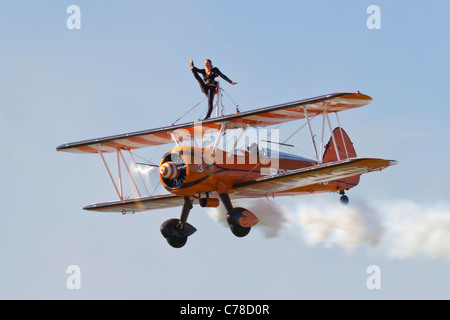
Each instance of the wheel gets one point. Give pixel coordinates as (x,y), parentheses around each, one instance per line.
(176,242)
(239,231)
(344,200)
(176,236)
(240,221)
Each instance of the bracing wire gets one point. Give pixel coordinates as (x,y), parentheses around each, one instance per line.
(189,111)
(230,98)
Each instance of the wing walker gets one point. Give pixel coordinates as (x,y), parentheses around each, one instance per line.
(213,172)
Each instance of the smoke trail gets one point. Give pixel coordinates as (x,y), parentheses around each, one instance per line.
(413,229)
(270,215)
(333,223)
(400,229)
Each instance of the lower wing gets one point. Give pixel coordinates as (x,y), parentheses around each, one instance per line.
(259,187)
(138,204)
(312,175)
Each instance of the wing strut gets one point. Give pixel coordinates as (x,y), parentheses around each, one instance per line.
(325,114)
(110,175)
(222,130)
(311,133)
(129,173)
(120,156)
(237,141)
(342,136)
(140,174)
(325,118)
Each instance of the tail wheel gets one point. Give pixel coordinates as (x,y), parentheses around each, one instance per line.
(344,200)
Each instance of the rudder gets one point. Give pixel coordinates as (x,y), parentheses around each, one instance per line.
(344,147)
(345,150)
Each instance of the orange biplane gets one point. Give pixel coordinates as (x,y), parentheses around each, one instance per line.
(210,175)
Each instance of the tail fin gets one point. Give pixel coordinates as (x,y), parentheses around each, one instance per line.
(345,150)
(344,146)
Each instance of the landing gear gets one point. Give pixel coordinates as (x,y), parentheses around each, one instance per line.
(176,231)
(239,219)
(344,199)
(233,217)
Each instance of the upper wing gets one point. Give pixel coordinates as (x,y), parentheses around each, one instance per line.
(307,176)
(260,117)
(138,204)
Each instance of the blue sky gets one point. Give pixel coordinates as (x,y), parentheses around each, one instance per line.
(127,69)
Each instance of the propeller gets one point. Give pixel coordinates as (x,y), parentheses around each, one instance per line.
(173,170)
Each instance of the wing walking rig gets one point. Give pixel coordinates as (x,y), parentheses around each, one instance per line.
(209,176)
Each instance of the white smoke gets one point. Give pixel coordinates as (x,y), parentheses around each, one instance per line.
(399,229)
(413,229)
(270,214)
(335,224)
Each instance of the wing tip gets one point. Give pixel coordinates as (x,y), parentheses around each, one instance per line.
(61,147)
(358,95)
(393,162)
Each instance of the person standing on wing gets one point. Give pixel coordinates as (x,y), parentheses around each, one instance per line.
(208,85)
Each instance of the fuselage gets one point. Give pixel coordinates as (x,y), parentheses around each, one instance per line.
(203,170)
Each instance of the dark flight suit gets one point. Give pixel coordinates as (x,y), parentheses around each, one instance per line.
(209,85)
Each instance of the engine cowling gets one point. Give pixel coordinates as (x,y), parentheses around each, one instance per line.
(182,171)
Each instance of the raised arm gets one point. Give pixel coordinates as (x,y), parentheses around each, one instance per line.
(224,76)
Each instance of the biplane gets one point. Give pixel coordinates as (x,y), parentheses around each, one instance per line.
(195,173)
